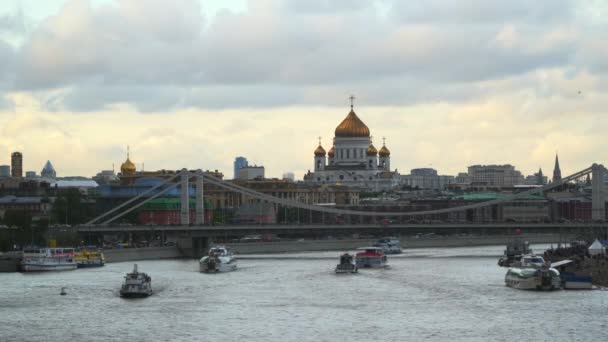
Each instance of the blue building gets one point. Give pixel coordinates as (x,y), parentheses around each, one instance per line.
(239,163)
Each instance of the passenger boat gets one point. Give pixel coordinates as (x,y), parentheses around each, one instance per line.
(346,265)
(136,285)
(89,258)
(543,279)
(219,259)
(530,261)
(371,257)
(389,245)
(48,259)
(515,250)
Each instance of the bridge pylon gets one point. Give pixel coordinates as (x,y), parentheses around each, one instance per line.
(184,199)
(598,206)
(200,202)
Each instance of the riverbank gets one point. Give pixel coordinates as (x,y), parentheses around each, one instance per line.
(406,243)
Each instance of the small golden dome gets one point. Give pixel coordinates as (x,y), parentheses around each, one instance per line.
(128,168)
(384,152)
(332,152)
(352,127)
(371,150)
(320,151)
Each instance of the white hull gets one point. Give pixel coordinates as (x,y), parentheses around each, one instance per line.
(535,282)
(44,267)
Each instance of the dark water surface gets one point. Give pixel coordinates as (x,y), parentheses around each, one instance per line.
(454,294)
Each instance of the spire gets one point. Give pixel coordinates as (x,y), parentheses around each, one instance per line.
(540,178)
(352,101)
(557,173)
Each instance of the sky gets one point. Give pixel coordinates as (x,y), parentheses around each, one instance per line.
(195,83)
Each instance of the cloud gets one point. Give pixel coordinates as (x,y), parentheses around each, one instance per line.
(157,57)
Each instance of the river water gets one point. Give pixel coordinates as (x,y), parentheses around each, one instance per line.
(454,294)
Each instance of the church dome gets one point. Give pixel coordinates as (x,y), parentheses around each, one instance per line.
(371,150)
(352,127)
(384,152)
(320,151)
(128,168)
(332,152)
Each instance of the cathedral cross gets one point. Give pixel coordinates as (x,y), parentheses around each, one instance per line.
(352,101)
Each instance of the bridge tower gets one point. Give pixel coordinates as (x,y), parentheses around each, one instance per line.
(184,199)
(200,202)
(598,206)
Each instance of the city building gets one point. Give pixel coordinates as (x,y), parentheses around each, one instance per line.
(5,171)
(239,163)
(289,176)
(426,178)
(17,165)
(30,175)
(37,207)
(251,172)
(557,172)
(353,160)
(105,177)
(490,176)
(48,171)
(166,211)
(536,179)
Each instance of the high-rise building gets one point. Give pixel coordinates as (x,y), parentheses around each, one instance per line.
(48,171)
(239,163)
(17,164)
(251,172)
(557,173)
(5,170)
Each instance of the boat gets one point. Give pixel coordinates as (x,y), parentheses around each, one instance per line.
(219,259)
(530,261)
(389,245)
(48,259)
(542,279)
(371,257)
(346,265)
(89,257)
(515,250)
(63,293)
(136,285)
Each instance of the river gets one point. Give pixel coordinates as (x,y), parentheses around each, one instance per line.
(454,294)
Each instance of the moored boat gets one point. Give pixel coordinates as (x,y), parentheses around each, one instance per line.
(48,259)
(371,257)
(219,259)
(346,265)
(136,285)
(514,251)
(572,281)
(89,258)
(543,279)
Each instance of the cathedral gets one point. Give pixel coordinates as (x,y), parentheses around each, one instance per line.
(353,160)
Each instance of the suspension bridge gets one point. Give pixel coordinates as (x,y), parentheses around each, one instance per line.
(395,222)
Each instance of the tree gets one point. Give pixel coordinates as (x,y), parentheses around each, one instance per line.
(70,207)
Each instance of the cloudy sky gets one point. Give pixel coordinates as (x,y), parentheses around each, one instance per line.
(190,83)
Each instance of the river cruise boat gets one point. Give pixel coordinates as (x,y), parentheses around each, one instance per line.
(515,250)
(572,281)
(371,257)
(389,245)
(219,259)
(136,285)
(48,259)
(89,257)
(347,264)
(542,279)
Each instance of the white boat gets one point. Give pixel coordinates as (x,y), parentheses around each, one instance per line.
(136,285)
(219,259)
(48,259)
(346,265)
(515,250)
(544,278)
(389,245)
(530,261)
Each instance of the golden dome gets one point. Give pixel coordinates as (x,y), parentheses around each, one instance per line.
(320,151)
(384,152)
(332,152)
(352,127)
(371,150)
(128,168)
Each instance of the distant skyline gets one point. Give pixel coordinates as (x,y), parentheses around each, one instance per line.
(194,84)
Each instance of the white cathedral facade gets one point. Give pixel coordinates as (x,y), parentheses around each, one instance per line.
(353,160)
